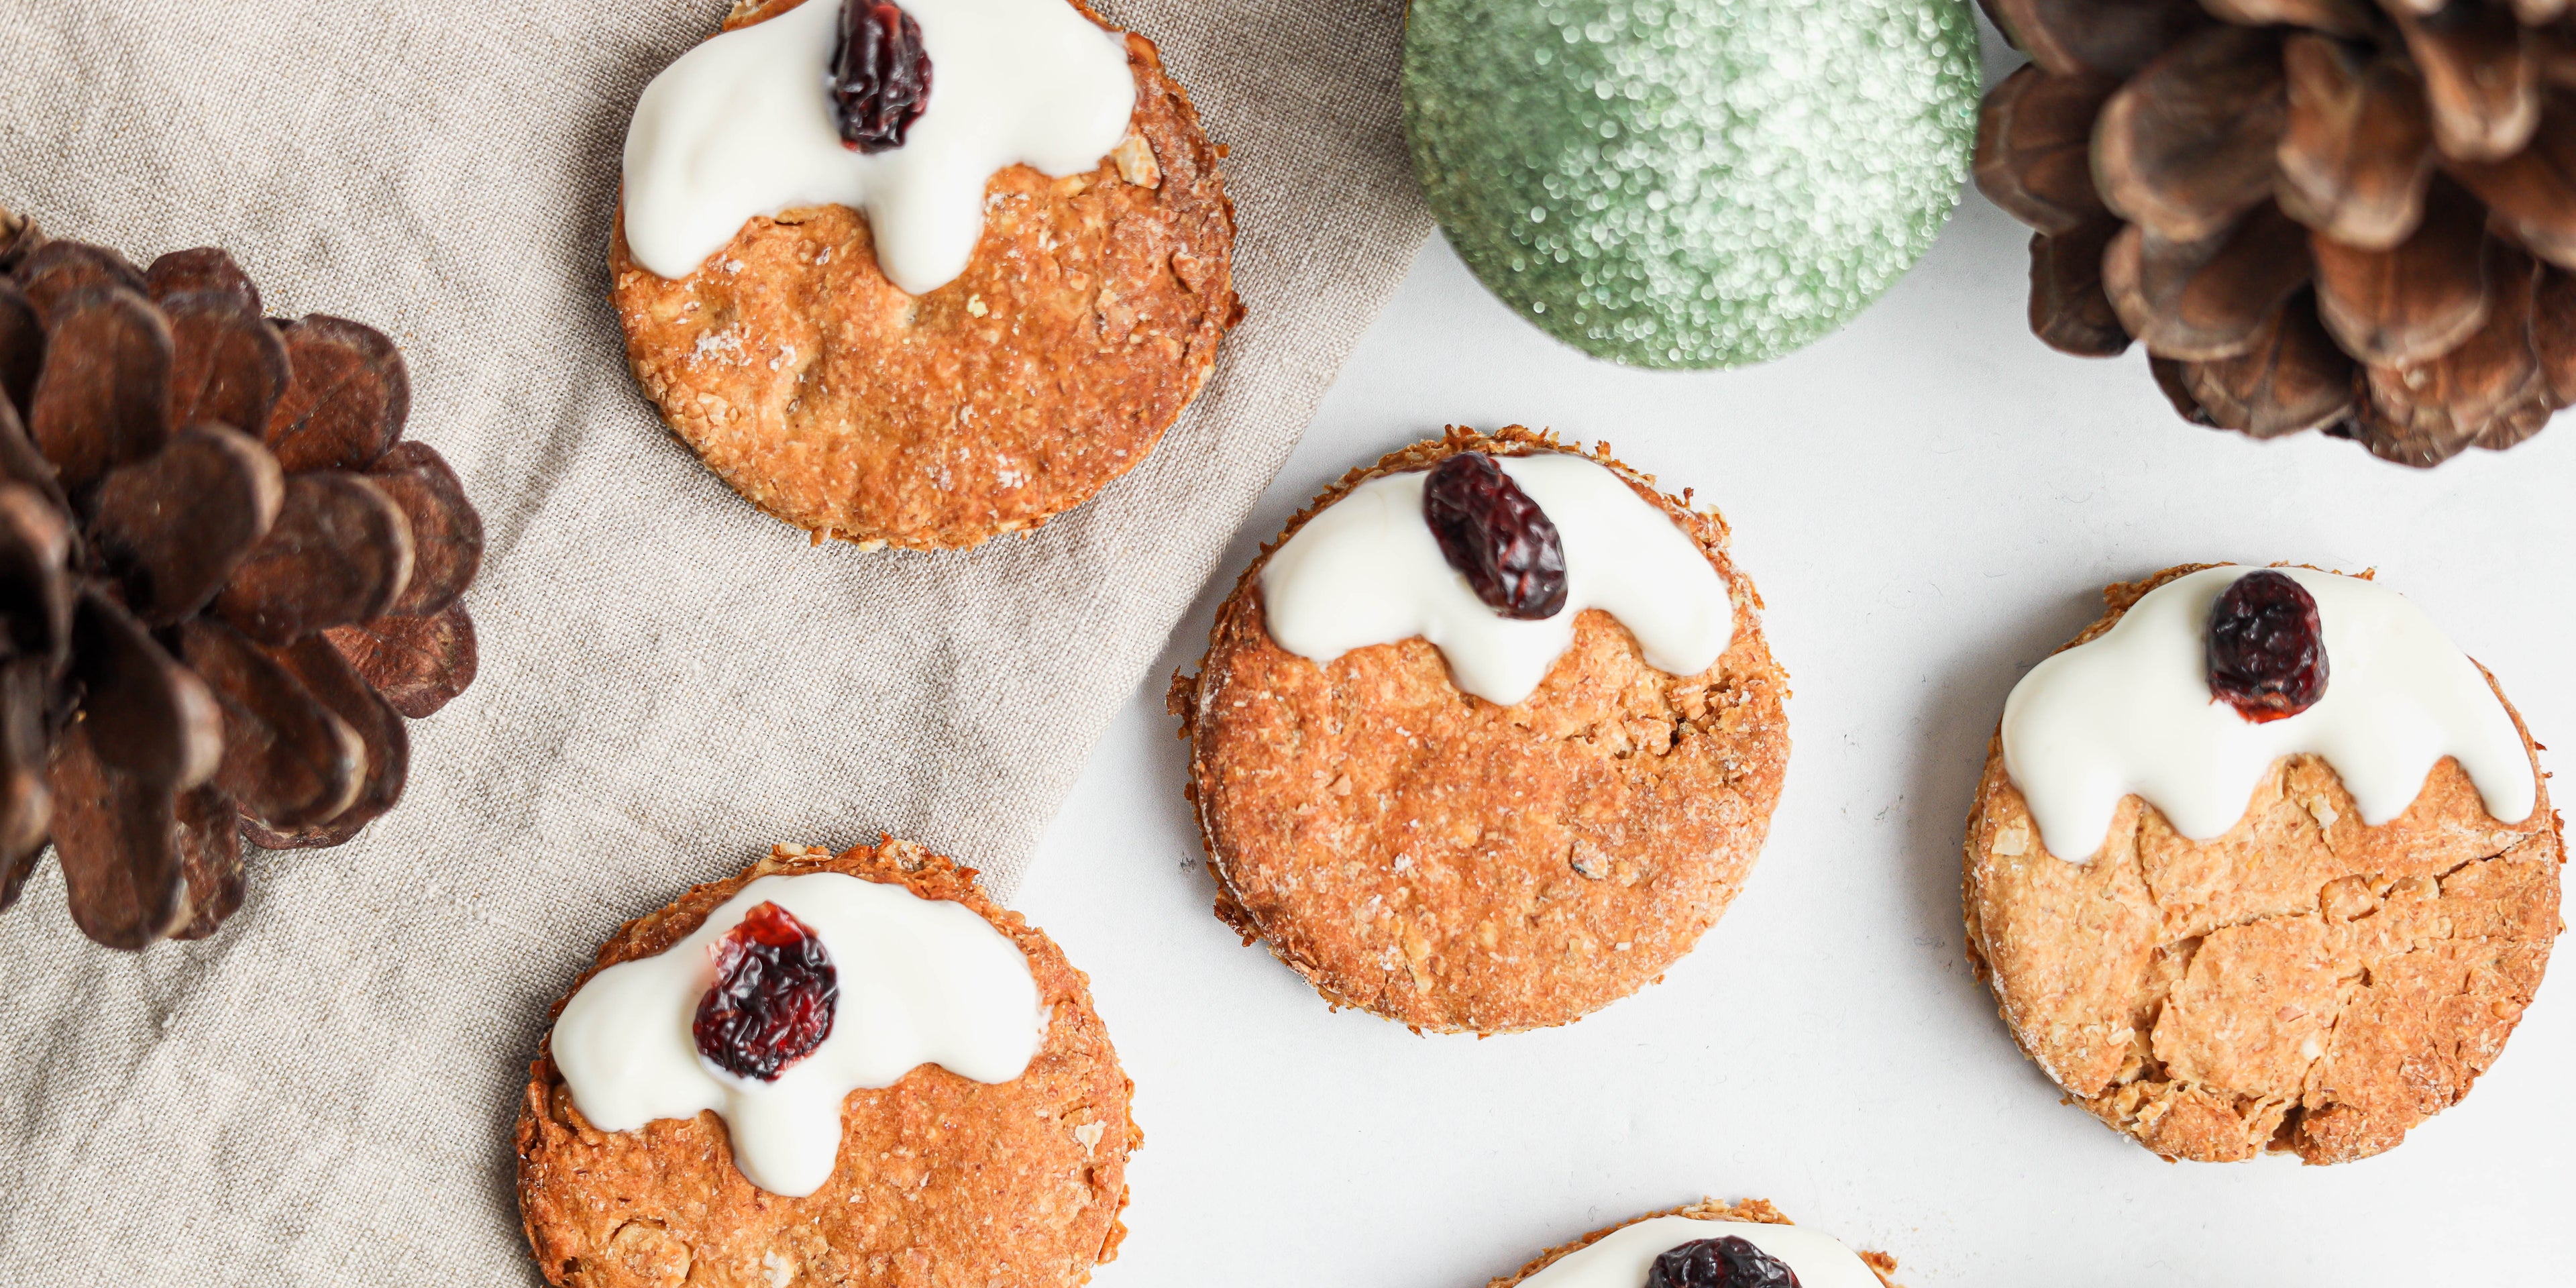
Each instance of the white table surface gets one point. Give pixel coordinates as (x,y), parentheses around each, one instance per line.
(1930,501)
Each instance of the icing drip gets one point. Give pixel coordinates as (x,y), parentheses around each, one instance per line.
(922,982)
(1621,1258)
(1368,571)
(742,126)
(2131,713)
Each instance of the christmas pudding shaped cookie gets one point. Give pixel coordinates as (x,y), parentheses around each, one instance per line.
(1035,291)
(1535,815)
(2261,862)
(1705,1245)
(679,1121)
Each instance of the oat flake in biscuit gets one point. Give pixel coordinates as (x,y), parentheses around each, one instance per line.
(1086,318)
(2304,981)
(1608,1258)
(939,1178)
(1469,864)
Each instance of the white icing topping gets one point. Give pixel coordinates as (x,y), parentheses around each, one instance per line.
(1368,571)
(2131,713)
(1621,1258)
(742,126)
(922,982)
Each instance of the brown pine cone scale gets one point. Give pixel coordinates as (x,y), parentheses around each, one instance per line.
(2314,214)
(225,581)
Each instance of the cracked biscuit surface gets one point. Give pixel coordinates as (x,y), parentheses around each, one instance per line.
(1088,319)
(2304,983)
(1424,854)
(942,1182)
(1754,1211)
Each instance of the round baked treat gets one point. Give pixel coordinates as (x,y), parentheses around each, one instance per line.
(987,393)
(2261,862)
(1656,1251)
(1526,821)
(940,1177)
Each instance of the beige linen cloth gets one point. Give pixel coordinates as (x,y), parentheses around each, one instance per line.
(323,1093)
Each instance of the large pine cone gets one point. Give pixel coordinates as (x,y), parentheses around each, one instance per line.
(206,637)
(2316,214)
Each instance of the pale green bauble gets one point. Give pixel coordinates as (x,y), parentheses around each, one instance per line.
(1690,183)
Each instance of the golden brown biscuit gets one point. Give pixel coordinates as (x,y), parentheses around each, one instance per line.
(826,396)
(1758,1211)
(2303,984)
(1421,853)
(942,1180)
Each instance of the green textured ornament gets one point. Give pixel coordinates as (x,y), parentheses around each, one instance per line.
(1690,183)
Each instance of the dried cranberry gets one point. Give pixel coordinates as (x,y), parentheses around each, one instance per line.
(1496,537)
(1729,1262)
(773,998)
(880,75)
(2267,647)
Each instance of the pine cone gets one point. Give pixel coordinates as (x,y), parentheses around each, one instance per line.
(2315,214)
(206,637)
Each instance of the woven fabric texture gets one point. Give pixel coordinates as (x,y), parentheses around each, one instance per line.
(322,1093)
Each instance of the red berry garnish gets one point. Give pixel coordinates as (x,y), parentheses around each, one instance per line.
(880,75)
(1729,1262)
(773,998)
(1496,537)
(2267,647)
